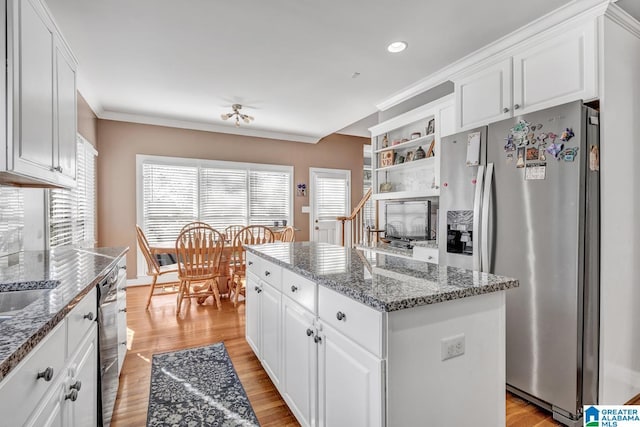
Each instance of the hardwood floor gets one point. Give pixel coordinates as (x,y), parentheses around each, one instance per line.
(158,330)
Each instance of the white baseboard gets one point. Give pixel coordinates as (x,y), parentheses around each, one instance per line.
(140,281)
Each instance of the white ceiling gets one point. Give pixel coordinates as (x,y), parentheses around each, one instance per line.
(289,62)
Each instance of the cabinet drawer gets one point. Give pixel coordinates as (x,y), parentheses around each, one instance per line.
(357,321)
(253,263)
(270,273)
(21,391)
(425,254)
(299,289)
(80,319)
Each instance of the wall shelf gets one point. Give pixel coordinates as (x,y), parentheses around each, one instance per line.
(412,164)
(408,144)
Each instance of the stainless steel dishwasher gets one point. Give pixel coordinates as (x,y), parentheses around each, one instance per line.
(108,346)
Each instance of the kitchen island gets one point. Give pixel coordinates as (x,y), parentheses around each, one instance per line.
(359,338)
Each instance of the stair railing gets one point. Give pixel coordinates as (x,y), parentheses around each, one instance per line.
(356,221)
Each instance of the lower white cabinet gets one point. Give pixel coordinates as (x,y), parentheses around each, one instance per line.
(252,312)
(299,361)
(349,382)
(270,331)
(425,254)
(59,378)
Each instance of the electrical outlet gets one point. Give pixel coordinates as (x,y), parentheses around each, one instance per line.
(452,346)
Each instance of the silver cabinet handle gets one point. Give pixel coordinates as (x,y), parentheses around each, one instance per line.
(309,332)
(515,107)
(267,272)
(430,257)
(294,288)
(76,386)
(250,263)
(58,169)
(505,110)
(123,310)
(123,343)
(317,339)
(72,396)
(47,374)
(123,267)
(257,289)
(88,316)
(341,316)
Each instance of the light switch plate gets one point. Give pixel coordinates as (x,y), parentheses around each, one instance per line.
(306,209)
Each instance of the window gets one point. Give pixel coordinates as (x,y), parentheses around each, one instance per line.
(174,192)
(11,219)
(72,212)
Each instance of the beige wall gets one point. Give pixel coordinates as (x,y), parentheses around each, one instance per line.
(87,121)
(119,142)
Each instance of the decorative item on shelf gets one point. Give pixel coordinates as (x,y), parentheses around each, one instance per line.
(415,135)
(237,114)
(409,157)
(431,127)
(301,189)
(386,187)
(386,158)
(399,160)
(420,154)
(431,152)
(385,141)
(396,142)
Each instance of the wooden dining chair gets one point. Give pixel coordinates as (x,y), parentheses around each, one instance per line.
(251,235)
(288,234)
(231,231)
(199,250)
(194,224)
(157,271)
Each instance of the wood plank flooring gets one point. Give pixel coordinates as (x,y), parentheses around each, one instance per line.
(158,330)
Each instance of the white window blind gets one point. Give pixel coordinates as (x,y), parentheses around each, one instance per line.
(178,191)
(170,200)
(11,219)
(72,211)
(331,196)
(270,197)
(223,197)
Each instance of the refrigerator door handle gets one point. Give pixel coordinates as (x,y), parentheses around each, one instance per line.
(477,204)
(484,234)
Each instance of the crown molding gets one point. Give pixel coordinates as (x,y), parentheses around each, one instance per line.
(577,10)
(207,127)
(622,18)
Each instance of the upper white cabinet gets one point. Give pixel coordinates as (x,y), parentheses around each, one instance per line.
(41,100)
(558,70)
(484,96)
(548,70)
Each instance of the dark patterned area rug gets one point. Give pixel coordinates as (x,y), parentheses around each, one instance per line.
(197,387)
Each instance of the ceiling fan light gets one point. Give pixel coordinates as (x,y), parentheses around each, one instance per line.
(246,119)
(224,116)
(237,114)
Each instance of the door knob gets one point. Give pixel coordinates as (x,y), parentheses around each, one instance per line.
(317,228)
(88,316)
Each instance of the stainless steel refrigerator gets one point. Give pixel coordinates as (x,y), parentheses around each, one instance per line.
(521,198)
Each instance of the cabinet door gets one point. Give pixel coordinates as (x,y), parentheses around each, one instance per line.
(84,410)
(270,333)
(484,96)
(51,412)
(33,121)
(300,360)
(252,312)
(122,313)
(66,115)
(350,383)
(559,70)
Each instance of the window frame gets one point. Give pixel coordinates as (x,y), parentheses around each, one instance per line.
(141,159)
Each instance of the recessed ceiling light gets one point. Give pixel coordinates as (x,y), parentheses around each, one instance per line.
(396,47)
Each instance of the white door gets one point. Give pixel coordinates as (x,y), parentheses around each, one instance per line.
(350,383)
(330,197)
(84,410)
(270,342)
(300,359)
(252,312)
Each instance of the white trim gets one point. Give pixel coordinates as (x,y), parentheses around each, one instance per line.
(411,116)
(623,19)
(573,11)
(140,281)
(209,127)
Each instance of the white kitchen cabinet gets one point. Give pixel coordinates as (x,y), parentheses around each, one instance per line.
(558,70)
(59,377)
(252,312)
(349,383)
(426,254)
(41,100)
(299,361)
(484,96)
(270,312)
(548,70)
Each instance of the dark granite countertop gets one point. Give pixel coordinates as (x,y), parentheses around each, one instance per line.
(383,282)
(77,270)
